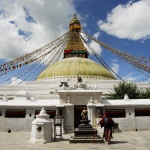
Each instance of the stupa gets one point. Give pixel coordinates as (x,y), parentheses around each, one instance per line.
(57,90)
(75,62)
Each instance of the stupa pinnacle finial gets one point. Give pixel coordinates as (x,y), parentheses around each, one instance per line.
(75,24)
(74,16)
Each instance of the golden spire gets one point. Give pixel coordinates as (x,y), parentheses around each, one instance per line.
(75,24)
(75,46)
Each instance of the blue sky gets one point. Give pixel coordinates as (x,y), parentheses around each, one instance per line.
(27,25)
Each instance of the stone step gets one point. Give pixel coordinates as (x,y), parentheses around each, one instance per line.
(86,137)
(86,140)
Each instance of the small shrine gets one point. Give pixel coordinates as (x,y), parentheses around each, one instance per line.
(85,132)
(41,128)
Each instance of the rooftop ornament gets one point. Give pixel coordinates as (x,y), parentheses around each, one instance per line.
(126,98)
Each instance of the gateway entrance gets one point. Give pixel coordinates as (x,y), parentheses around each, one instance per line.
(77,114)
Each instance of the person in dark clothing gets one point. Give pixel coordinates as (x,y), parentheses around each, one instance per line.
(79,79)
(108,124)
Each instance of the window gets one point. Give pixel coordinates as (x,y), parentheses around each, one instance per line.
(142,112)
(15,113)
(116,113)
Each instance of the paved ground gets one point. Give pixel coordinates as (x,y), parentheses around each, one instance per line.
(121,141)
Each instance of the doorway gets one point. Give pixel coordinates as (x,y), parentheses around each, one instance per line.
(77,114)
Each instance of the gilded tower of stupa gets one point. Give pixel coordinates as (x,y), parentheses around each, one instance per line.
(75,45)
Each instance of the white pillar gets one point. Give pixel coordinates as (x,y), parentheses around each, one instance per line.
(69,118)
(91,112)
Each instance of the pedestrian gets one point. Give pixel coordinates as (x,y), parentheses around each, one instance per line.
(108,124)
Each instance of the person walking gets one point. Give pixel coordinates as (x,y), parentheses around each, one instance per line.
(108,123)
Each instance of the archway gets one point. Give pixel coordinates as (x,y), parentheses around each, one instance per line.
(77,114)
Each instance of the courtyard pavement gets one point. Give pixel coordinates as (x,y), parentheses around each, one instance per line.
(139,140)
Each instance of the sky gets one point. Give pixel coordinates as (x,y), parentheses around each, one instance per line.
(26,25)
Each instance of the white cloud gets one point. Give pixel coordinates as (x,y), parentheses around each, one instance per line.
(40,20)
(96,46)
(132,77)
(84,36)
(16,81)
(41,2)
(114,66)
(96,35)
(129,21)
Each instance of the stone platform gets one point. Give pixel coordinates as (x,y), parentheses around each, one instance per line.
(89,139)
(85,133)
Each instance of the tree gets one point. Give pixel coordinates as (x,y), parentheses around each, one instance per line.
(145,94)
(123,88)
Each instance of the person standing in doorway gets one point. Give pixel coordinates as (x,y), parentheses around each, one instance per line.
(108,124)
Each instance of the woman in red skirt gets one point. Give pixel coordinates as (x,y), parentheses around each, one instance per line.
(108,124)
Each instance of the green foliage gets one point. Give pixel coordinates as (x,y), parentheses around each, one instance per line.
(123,88)
(145,94)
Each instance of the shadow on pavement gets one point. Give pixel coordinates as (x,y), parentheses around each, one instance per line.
(118,142)
(60,140)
